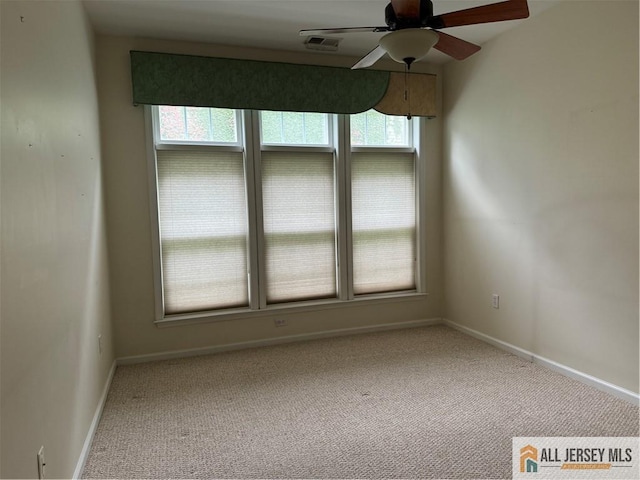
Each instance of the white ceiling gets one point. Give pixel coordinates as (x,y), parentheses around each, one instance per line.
(273,24)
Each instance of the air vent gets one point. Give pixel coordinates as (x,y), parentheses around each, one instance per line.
(322,43)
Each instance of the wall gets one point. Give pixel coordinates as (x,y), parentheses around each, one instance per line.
(129,222)
(540,183)
(55,296)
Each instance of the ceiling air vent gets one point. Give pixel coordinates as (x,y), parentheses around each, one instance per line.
(322,43)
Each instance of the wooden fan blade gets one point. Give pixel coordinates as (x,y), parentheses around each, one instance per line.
(455,47)
(330,31)
(496,12)
(370,58)
(406,9)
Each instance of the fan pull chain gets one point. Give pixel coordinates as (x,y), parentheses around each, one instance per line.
(407,89)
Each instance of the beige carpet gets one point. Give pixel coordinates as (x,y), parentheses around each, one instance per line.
(419,403)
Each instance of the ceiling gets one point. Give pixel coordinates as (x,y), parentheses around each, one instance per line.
(274,24)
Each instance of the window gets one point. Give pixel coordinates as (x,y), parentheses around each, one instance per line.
(278,209)
(294,128)
(298,207)
(193,124)
(375,129)
(383,198)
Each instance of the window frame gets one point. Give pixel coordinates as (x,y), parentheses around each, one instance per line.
(250,143)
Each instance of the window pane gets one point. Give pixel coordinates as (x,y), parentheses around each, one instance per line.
(173,124)
(271,123)
(299,225)
(383,219)
(203,230)
(198,124)
(396,130)
(316,129)
(294,128)
(376,129)
(223,124)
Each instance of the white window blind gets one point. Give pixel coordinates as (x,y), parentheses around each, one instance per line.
(203,230)
(299,225)
(383,222)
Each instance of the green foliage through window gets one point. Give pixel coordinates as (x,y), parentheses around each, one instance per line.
(375,129)
(216,125)
(294,128)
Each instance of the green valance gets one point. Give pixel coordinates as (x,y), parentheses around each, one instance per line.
(170,79)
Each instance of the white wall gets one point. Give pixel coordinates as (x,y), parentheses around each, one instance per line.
(54,277)
(126,176)
(541,188)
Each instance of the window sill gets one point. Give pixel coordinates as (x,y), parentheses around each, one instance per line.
(289,308)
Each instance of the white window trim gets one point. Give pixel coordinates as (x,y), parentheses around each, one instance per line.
(288,308)
(199,146)
(419,137)
(254,214)
(340,132)
(383,149)
(271,147)
(154,208)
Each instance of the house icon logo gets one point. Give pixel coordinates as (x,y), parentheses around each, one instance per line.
(529,459)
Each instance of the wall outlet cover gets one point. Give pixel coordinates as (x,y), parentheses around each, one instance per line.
(495,301)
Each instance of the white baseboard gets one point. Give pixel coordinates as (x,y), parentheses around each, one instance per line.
(94,424)
(275,341)
(585,378)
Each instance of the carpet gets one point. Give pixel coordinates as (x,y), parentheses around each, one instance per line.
(427,402)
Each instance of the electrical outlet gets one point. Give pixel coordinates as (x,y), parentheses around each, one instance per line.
(41,463)
(495,301)
(280,322)
(100,344)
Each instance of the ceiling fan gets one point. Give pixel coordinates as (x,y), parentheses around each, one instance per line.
(414,29)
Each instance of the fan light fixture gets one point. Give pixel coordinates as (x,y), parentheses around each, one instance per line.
(409,45)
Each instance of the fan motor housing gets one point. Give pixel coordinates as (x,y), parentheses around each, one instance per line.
(395,23)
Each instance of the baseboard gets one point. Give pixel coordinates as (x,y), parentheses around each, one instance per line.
(94,424)
(275,341)
(585,378)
